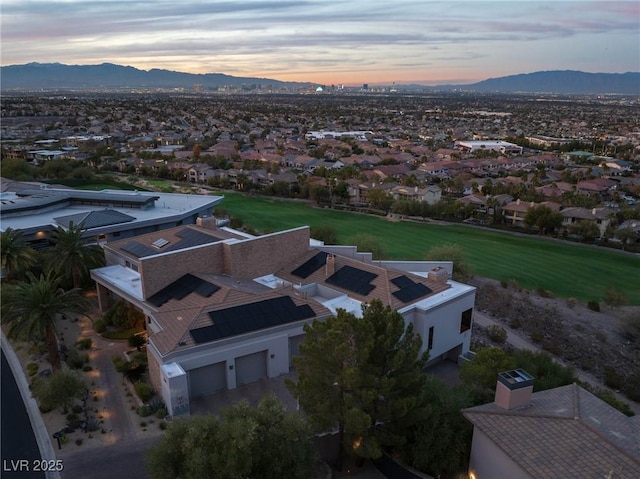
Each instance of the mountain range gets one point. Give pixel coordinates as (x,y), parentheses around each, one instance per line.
(107,76)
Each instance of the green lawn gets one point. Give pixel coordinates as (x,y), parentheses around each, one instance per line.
(566,269)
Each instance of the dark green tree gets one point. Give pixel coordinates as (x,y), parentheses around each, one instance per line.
(16,254)
(32,308)
(58,390)
(362,376)
(543,218)
(71,257)
(440,441)
(370,244)
(265,442)
(481,374)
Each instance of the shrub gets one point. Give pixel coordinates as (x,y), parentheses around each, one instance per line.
(543,293)
(612,378)
(87,368)
(92,425)
(162,425)
(32,369)
(84,343)
(137,341)
(118,363)
(614,297)
(143,390)
(75,360)
(612,400)
(76,409)
(160,413)
(572,302)
(144,411)
(79,442)
(594,306)
(100,326)
(157,403)
(515,323)
(504,283)
(497,333)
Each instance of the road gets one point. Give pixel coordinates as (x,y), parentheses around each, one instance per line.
(18,440)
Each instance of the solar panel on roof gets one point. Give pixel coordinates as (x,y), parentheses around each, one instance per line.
(402,281)
(409,290)
(182,287)
(310,266)
(353,279)
(251,317)
(137,249)
(191,237)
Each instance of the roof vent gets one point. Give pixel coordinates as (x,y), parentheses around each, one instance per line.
(160,242)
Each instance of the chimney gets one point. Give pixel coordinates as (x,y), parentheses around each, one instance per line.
(330,267)
(438,274)
(593,211)
(514,389)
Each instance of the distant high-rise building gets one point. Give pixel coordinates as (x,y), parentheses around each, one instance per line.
(365,86)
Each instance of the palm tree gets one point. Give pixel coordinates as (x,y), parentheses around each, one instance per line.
(31,310)
(16,254)
(71,257)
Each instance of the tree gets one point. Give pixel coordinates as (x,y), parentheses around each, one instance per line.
(326,234)
(481,374)
(265,442)
(370,244)
(588,230)
(361,375)
(33,307)
(439,442)
(543,218)
(58,390)
(71,257)
(380,199)
(137,341)
(548,374)
(16,254)
(455,253)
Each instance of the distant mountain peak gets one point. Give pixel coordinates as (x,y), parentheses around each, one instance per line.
(30,76)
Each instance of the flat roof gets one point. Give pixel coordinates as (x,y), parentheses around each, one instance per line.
(47,205)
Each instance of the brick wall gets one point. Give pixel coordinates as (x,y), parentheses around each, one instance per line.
(265,254)
(156,272)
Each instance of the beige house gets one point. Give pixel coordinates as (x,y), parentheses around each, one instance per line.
(565,432)
(600,216)
(224,308)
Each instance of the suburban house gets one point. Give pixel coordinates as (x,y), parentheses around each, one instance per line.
(516,211)
(600,216)
(430,194)
(562,432)
(224,308)
(38,209)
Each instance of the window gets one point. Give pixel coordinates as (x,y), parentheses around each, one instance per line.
(465,321)
(116,234)
(430,343)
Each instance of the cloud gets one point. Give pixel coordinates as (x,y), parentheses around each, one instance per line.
(281,35)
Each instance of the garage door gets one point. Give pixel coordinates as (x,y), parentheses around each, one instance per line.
(207,379)
(294,343)
(251,367)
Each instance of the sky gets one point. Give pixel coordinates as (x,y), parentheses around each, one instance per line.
(327,41)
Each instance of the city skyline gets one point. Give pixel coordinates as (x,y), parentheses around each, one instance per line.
(329,42)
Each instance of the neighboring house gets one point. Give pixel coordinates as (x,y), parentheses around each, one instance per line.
(600,216)
(200,173)
(430,194)
(106,214)
(565,432)
(224,308)
(516,211)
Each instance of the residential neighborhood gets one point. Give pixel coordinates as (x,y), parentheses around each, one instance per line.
(125,275)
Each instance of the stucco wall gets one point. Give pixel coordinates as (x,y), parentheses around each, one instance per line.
(488,461)
(445,319)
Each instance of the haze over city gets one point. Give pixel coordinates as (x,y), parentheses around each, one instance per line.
(348,42)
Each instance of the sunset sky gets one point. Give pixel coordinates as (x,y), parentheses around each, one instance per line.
(328,41)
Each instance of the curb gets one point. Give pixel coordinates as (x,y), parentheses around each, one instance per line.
(37,424)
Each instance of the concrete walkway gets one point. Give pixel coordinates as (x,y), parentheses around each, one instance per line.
(520,342)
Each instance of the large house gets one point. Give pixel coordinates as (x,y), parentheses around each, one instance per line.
(562,432)
(224,308)
(37,209)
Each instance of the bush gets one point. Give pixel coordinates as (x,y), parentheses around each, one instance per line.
(75,360)
(118,363)
(100,326)
(497,333)
(84,343)
(594,306)
(144,411)
(143,390)
(32,369)
(612,378)
(572,302)
(612,400)
(160,413)
(614,297)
